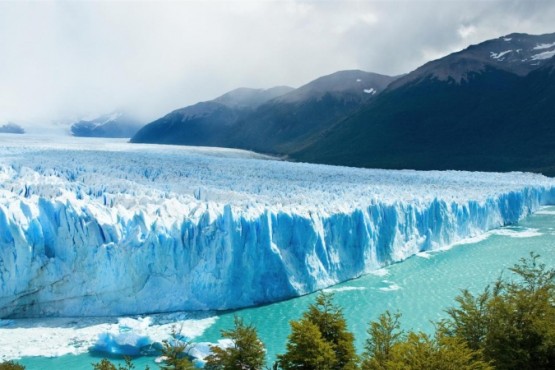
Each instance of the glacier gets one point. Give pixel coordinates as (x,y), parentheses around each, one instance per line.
(96,227)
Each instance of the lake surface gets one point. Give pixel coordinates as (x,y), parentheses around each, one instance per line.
(420,288)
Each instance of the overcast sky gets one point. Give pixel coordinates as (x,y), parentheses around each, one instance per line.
(62,60)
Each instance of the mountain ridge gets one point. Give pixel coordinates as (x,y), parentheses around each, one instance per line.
(494,119)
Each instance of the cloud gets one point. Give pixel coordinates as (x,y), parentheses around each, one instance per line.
(62,60)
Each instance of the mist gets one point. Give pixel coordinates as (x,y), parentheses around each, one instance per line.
(66,61)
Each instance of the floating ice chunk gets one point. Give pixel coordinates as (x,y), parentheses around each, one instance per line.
(379,272)
(57,337)
(391,287)
(370,91)
(124,344)
(517,233)
(343,289)
(425,255)
(202,349)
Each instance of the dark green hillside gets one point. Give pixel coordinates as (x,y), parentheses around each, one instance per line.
(289,122)
(491,121)
(281,127)
(203,124)
(207,123)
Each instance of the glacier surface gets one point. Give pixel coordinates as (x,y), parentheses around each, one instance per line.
(94,227)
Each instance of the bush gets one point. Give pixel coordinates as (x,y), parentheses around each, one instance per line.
(246,353)
(11,365)
(320,340)
(389,348)
(513,323)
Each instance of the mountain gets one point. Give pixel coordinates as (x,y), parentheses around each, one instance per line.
(11,128)
(489,107)
(270,121)
(109,125)
(292,120)
(206,123)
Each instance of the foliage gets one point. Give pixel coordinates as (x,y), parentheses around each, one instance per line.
(420,352)
(389,348)
(328,320)
(11,365)
(513,323)
(246,353)
(383,335)
(105,364)
(175,356)
(307,349)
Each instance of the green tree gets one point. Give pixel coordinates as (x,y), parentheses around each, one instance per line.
(513,323)
(11,365)
(105,364)
(175,356)
(382,336)
(329,318)
(307,349)
(246,353)
(389,348)
(329,321)
(420,352)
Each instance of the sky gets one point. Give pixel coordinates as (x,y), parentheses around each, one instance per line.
(62,61)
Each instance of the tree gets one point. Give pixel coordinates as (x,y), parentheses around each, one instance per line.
(175,356)
(105,364)
(307,349)
(246,353)
(389,348)
(11,365)
(421,352)
(329,319)
(332,327)
(513,323)
(382,336)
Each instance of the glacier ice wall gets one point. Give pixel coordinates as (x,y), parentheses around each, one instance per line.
(109,229)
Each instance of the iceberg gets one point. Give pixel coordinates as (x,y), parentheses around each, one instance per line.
(93,227)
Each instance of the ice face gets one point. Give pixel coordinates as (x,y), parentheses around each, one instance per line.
(101,227)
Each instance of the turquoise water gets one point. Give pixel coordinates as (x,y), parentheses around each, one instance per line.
(420,288)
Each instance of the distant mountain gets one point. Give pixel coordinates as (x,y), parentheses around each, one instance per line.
(489,107)
(291,121)
(109,125)
(11,128)
(516,53)
(270,121)
(206,123)
(245,98)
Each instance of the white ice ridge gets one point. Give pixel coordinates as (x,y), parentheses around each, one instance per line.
(95,228)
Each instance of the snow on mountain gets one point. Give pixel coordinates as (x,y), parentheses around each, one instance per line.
(516,53)
(544,46)
(544,55)
(115,124)
(109,228)
(500,55)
